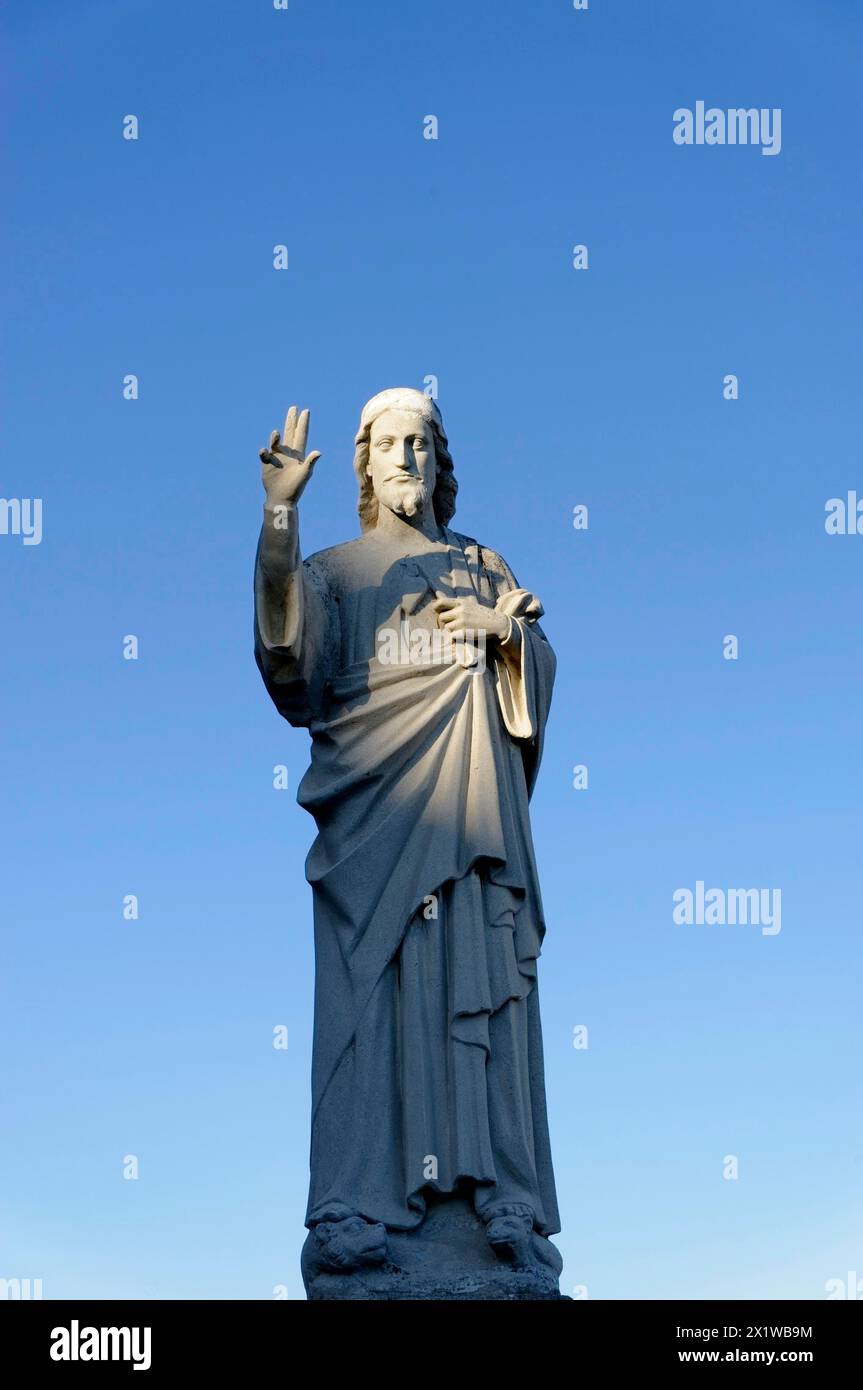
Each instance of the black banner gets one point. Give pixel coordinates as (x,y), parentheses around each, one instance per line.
(158,1338)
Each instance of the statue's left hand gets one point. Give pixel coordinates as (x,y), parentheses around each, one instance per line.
(461,615)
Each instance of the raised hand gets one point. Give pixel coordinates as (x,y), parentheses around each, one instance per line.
(286,468)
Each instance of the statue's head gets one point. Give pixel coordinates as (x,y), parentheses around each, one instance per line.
(401,459)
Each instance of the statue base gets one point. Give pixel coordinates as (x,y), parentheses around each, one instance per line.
(446,1258)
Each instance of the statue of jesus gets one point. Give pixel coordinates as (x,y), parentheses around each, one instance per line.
(427,1074)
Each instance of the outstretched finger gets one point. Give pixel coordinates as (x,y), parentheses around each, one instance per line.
(288,431)
(274,440)
(301,433)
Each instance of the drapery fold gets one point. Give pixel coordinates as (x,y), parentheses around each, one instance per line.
(427,1062)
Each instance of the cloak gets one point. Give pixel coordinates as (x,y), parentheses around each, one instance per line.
(427,1066)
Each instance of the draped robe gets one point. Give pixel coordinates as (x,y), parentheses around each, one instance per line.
(427,1070)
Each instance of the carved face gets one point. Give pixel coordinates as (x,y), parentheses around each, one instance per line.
(402,464)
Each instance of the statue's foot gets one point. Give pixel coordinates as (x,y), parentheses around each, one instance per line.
(350,1243)
(509,1232)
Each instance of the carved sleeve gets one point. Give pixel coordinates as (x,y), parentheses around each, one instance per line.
(296,626)
(525,663)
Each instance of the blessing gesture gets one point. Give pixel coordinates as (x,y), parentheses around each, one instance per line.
(286,468)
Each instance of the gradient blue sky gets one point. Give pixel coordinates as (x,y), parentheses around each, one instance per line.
(410,257)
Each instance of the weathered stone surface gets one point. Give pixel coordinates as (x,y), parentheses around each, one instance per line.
(417,664)
(447,1258)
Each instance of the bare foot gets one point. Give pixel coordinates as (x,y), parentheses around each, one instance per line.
(352,1243)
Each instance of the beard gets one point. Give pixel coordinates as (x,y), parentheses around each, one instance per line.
(406,498)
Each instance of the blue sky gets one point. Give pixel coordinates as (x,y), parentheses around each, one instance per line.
(410,257)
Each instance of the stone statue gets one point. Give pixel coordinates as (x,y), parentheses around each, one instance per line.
(418,666)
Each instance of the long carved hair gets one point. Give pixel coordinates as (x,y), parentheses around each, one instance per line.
(446,485)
